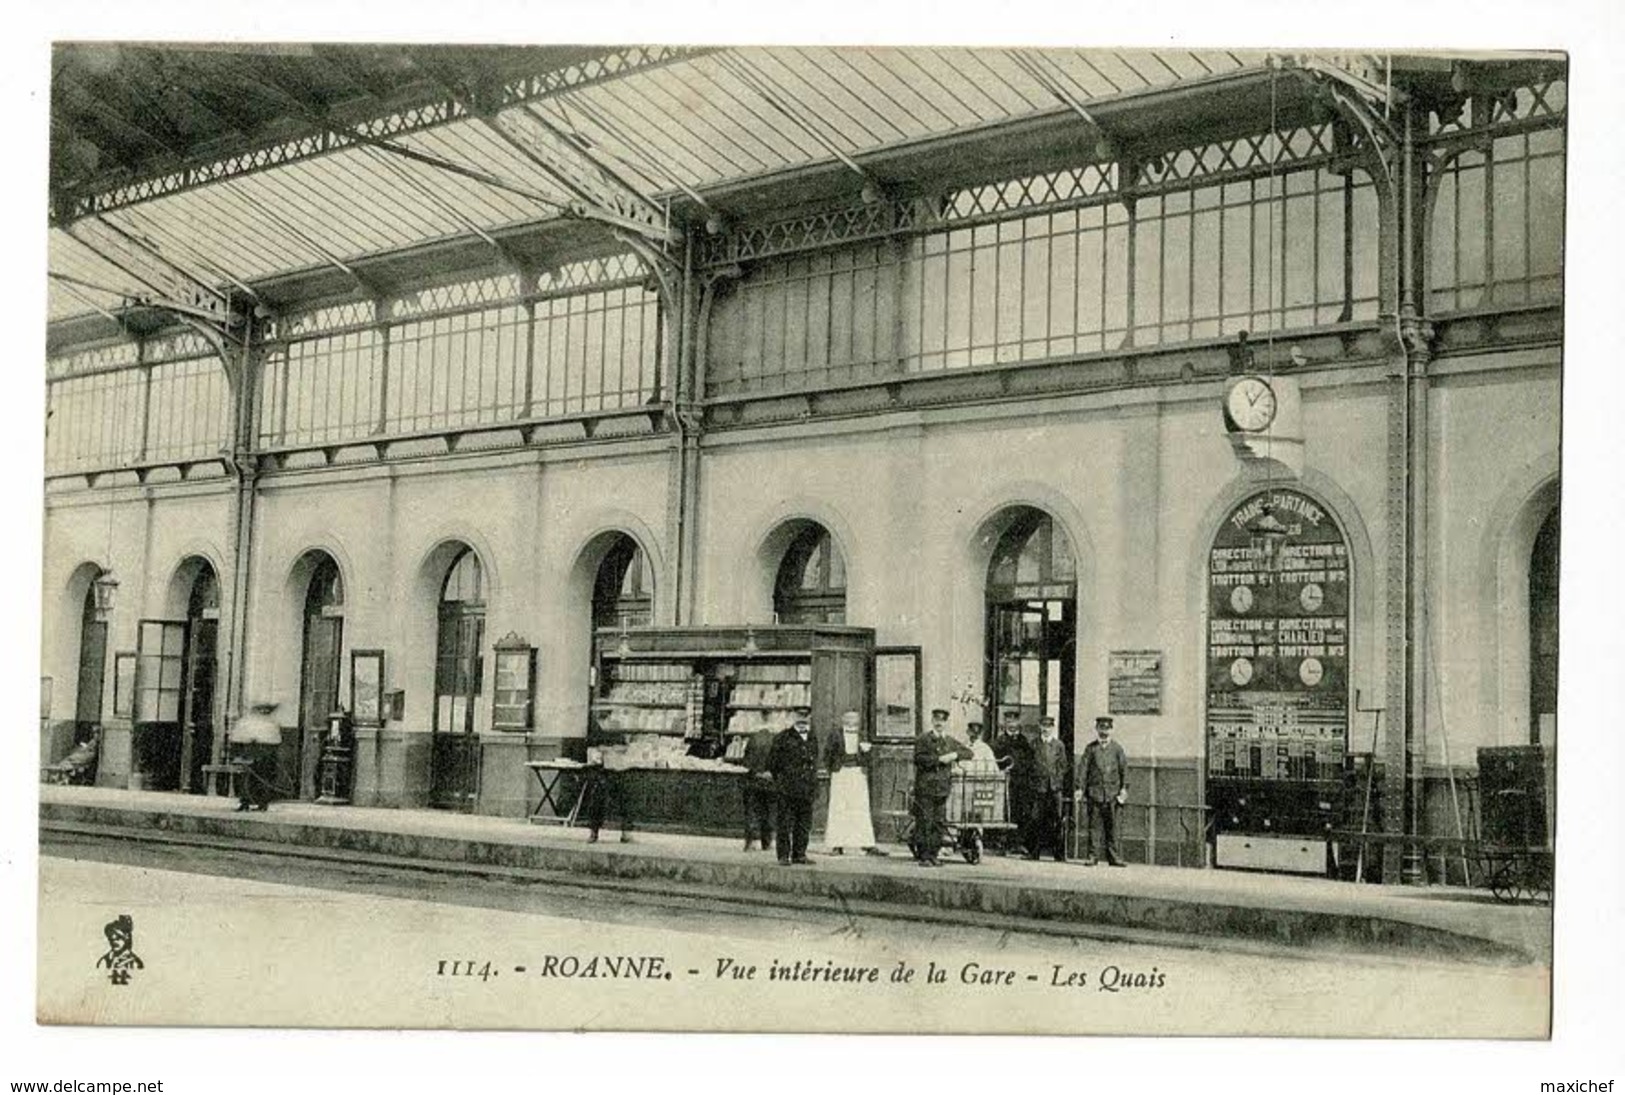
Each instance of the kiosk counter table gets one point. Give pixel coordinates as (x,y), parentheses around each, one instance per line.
(644,783)
(561,799)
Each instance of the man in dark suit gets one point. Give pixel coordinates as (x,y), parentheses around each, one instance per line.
(1105,778)
(934,756)
(793,763)
(758,789)
(1046,788)
(1015,756)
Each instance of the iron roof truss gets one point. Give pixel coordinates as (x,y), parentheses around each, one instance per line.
(391,152)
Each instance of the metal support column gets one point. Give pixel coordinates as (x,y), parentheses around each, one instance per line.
(1393,278)
(677,300)
(1396,567)
(244,466)
(1416,340)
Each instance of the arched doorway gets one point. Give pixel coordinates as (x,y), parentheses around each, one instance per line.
(623,592)
(175,678)
(87,714)
(810,587)
(197,696)
(1543,581)
(1032,612)
(458,674)
(320,664)
(1277,693)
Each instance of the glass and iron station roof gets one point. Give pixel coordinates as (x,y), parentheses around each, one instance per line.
(282,174)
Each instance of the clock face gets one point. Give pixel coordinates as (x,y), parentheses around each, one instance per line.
(1251,404)
(1312,597)
(1241,599)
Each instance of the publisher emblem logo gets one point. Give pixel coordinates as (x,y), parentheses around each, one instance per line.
(120,960)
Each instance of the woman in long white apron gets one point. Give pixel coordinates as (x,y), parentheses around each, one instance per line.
(850,824)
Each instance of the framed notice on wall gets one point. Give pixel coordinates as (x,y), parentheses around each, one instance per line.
(367,687)
(123,685)
(1134,682)
(513,704)
(897,693)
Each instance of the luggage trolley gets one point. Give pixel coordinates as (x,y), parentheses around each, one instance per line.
(1514,849)
(978,803)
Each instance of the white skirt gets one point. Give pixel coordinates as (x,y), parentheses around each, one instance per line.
(849,823)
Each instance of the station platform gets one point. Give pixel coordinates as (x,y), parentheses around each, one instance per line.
(1186,907)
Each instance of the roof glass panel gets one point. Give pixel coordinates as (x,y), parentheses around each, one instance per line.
(684,123)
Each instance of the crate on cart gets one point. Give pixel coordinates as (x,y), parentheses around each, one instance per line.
(976,798)
(978,803)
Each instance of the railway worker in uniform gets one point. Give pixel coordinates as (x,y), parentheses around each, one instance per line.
(793,763)
(1045,789)
(758,789)
(1105,777)
(934,757)
(1014,753)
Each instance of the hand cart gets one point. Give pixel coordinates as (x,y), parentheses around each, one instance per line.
(1514,849)
(978,803)
(1518,866)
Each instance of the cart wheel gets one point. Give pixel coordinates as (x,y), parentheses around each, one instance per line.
(1543,878)
(1531,878)
(971,847)
(907,837)
(1501,883)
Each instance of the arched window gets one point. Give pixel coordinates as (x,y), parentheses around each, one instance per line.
(811,585)
(326,590)
(204,600)
(1033,561)
(464,581)
(623,595)
(1543,575)
(459,675)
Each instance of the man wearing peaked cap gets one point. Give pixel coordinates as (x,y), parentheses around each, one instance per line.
(1105,777)
(793,763)
(1046,788)
(934,756)
(1015,755)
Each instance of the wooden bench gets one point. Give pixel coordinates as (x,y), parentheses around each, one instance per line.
(232,772)
(78,766)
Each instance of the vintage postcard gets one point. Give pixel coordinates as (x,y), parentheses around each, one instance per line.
(887,539)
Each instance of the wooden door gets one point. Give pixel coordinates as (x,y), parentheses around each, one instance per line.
(318,692)
(197,711)
(87,713)
(1032,655)
(160,680)
(459,669)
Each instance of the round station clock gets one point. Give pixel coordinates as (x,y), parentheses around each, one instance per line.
(1250,404)
(1241,599)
